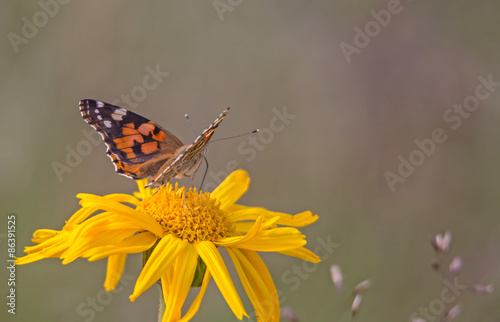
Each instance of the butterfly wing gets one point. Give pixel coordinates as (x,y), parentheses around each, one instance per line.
(137,146)
(187,162)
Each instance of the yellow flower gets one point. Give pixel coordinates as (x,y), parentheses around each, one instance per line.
(177,230)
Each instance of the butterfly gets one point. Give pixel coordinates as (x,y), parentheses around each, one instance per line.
(140,148)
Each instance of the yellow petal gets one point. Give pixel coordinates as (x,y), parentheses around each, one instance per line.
(50,248)
(243,227)
(210,255)
(30,258)
(81,215)
(116,263)
(160,260)
(195,306)
(81,246)
(241,213)
(133,244)
(275,240)
(257,227)
(143,221)
(84,212)
(232,188)
(102,224)
(258,284)
(229,241)
(183,269)
(42,235)
(122,197)
(60,237)
(143,192)
(302,253)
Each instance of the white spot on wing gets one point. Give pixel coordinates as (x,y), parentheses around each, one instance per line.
(99,117)
(121,111)
(107,123)
(96,111)
(100,104)
(117,117)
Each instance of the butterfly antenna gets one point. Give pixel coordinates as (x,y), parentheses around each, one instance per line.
(233,137)
(206,161)
(189,122)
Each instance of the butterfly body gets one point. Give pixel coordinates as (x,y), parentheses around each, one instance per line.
(139,148)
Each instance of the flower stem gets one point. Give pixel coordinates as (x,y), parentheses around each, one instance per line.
(161,304)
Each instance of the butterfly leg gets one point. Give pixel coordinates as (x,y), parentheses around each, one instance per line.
(192,181)
(186,189)
(185,206)
(205,174)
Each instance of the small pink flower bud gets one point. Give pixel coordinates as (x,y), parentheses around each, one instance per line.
(482,289)
(337,277)
(355,304)
(456,265)
(363,286)
(452,313)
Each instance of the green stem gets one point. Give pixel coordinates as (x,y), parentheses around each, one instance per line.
(161,304)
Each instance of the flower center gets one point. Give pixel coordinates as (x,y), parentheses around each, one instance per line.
(198,219)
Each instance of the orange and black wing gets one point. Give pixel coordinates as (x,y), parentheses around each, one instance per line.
(137,146)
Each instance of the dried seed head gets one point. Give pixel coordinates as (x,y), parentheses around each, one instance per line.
(337,277)
(452,313)
(482,289)
(363,286)
(355,304)
(456,265)
(435,264)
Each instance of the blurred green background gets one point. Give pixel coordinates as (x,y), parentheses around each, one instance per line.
(354,115)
